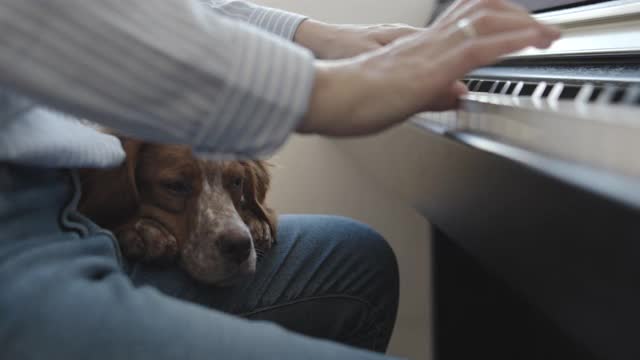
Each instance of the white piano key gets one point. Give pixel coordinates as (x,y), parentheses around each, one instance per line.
(493,87)
(536,97)
(585,93)
(476,88)
(554,95)
(556,92)
(539,91)
(505,89)
(632,96)
(518,89)
(606,97)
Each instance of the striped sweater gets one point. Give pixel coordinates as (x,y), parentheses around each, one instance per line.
(222,76)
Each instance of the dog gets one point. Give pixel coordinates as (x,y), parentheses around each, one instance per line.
(164,205)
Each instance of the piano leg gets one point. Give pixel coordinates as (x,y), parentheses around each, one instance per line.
(478,316)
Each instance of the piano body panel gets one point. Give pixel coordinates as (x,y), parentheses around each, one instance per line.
(553,266)
(533,191)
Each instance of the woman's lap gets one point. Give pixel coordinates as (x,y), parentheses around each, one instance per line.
(63,293)
(326,276)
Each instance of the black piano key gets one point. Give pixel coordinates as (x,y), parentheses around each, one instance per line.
(632,96)
(569,92)
(540,88)
(507,88)
(496,87)
(485,86)
(617,95)
(528,89)
(517,89)
(610,94)
(595,94)
(477,86)
(500,86)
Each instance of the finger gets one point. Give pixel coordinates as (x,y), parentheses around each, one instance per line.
(476,6)
(449,99)
(481,11)
(485,51)
(460,89)
(488,23)
(452,9)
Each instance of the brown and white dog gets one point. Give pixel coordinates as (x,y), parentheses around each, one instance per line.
(164,205)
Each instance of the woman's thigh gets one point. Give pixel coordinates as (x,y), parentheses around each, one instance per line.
(63,294)
(326,276)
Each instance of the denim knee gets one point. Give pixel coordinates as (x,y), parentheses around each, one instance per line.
(373,275)
(370,248)
(359,256)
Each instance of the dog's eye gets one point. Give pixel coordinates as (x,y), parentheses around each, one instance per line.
(179,187)
(237,182)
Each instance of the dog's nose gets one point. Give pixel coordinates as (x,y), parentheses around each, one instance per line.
(236,245)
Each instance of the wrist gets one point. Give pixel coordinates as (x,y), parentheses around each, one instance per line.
(361,95)
(335,94)
(316,36)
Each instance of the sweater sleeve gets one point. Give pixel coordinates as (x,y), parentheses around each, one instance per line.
(164,71)
(275,21)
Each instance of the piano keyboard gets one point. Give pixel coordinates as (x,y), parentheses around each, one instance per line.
(592,124)
(586,93)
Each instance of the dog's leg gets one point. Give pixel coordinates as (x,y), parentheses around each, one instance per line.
(148,241)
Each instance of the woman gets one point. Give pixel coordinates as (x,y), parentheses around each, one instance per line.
(205,75)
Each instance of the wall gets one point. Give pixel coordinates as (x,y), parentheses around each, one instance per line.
(313,175)
(413,12)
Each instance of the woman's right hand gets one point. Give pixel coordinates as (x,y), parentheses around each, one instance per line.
(420,72)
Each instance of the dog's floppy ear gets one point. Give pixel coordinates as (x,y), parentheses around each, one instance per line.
(256,213)
(110,196)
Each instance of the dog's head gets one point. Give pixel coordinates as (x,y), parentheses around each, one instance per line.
(164,204)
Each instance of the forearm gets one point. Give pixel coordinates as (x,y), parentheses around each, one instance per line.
(199,80)
(326,41)
(276,21)
(318,37)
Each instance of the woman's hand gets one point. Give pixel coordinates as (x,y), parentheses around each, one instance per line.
(418,72)
(328,41)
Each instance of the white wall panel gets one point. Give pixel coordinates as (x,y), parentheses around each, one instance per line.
(413,12)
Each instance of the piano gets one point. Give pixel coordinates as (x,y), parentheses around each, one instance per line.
(532,188)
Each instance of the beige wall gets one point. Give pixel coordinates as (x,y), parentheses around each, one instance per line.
(314,175)
(413,12)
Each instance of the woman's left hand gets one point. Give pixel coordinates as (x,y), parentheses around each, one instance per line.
(328,41)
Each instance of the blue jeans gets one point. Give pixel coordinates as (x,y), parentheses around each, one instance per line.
(66,293)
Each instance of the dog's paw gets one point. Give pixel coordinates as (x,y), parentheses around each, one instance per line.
(148,241)
(262,239)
